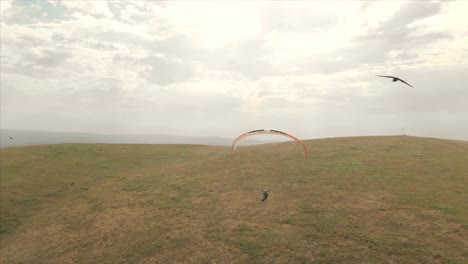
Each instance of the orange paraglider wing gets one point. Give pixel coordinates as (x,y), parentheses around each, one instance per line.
(267,131)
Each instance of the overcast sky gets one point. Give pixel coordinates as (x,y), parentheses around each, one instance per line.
(222,68)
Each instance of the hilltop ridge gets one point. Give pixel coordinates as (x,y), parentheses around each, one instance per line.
(352,200)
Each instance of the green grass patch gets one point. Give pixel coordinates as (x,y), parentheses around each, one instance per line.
(352,200)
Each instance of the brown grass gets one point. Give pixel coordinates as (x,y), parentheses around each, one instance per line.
(353,200)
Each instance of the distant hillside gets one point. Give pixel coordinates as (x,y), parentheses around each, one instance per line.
(29,138)
(352,200)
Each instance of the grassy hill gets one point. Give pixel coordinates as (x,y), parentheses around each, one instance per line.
(17,138)
(352,200)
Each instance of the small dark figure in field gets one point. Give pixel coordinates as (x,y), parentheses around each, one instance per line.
(265,194)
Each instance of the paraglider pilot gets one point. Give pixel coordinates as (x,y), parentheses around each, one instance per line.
(265,194)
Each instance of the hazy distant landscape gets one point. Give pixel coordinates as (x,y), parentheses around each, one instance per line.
(28,138)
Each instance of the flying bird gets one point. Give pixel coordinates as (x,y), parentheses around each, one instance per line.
(396,79)
(11,138)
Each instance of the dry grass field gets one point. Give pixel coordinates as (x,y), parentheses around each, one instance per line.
(352,200)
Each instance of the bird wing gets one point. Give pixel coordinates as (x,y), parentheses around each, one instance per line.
(386,76)
(405,82)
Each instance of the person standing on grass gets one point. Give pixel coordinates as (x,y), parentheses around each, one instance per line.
(265,194)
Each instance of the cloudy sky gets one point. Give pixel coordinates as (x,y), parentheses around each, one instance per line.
(223,68)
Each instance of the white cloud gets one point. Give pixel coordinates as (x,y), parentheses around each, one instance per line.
(94,8)
(215,23)
(6,8)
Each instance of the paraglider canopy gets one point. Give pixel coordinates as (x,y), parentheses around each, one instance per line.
(267,131)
